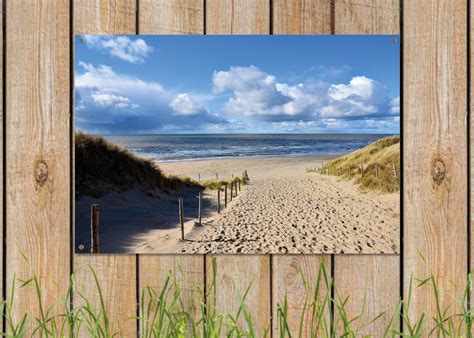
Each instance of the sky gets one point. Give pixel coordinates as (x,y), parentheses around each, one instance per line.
(237,84)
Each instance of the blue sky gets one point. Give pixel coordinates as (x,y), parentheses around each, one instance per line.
(237,84)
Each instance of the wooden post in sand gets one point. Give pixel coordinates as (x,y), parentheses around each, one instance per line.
(200,208)
(231,191)
(219,200)
(181,216)
(235,188)
(239,186)
(361,170)
(225,196)
(199,175)
(94,228)
(350,172)
(394,170)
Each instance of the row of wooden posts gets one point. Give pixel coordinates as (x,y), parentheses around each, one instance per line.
(362,170)
(234,188)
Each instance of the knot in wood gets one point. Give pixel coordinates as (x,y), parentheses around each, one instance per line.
(41,172)
(438,170)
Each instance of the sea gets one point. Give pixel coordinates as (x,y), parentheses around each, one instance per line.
(186,147)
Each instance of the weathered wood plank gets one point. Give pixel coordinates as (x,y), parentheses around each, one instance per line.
(297,17)
(435,156)
(367,16)
(234,274)
(237,16)
(117,280)
(171,17)
(105,17)
(117,273)
(369,281)
(37,129)
(186,271)
(287,280)
(302,17)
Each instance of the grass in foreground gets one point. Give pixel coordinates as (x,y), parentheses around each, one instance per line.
(379,159)
(166,313)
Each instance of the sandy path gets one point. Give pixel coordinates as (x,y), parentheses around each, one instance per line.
(283,209)
(308,214)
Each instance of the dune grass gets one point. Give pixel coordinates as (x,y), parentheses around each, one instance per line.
(165,313)
(379,159)
(102,167)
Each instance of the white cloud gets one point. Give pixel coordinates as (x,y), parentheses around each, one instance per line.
(108,101)
(257,94)
(360,97)
(133,50)
(185,104)
(395,105)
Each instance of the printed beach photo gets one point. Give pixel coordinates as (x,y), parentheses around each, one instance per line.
(237,144)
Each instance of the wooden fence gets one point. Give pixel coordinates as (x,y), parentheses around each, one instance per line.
(37,161)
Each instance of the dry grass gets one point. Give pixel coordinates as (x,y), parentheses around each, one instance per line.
(383,153)
(102,167)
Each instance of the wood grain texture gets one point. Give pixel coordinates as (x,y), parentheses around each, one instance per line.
(171,17)
(117,273)
(105,16)
(366,279)
(236,272)
(287,280)
(237,16)
(367,16)
(301,17)
(371,283)
(37,130)
(435,110)
(186,271)
(234,275)
(117,280)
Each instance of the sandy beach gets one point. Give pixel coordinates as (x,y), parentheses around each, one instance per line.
(285,210)
(282,209)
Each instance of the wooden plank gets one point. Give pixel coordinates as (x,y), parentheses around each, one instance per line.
(287,280)
(37,130)
(372,284)
(435,157)
(186,271)
(117,273)
(302,17)
(236,272)
(297,17)
(171,17)
(234,275)
(237,16)
(117,280)
(366,16)
(369,281)
(105,17)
